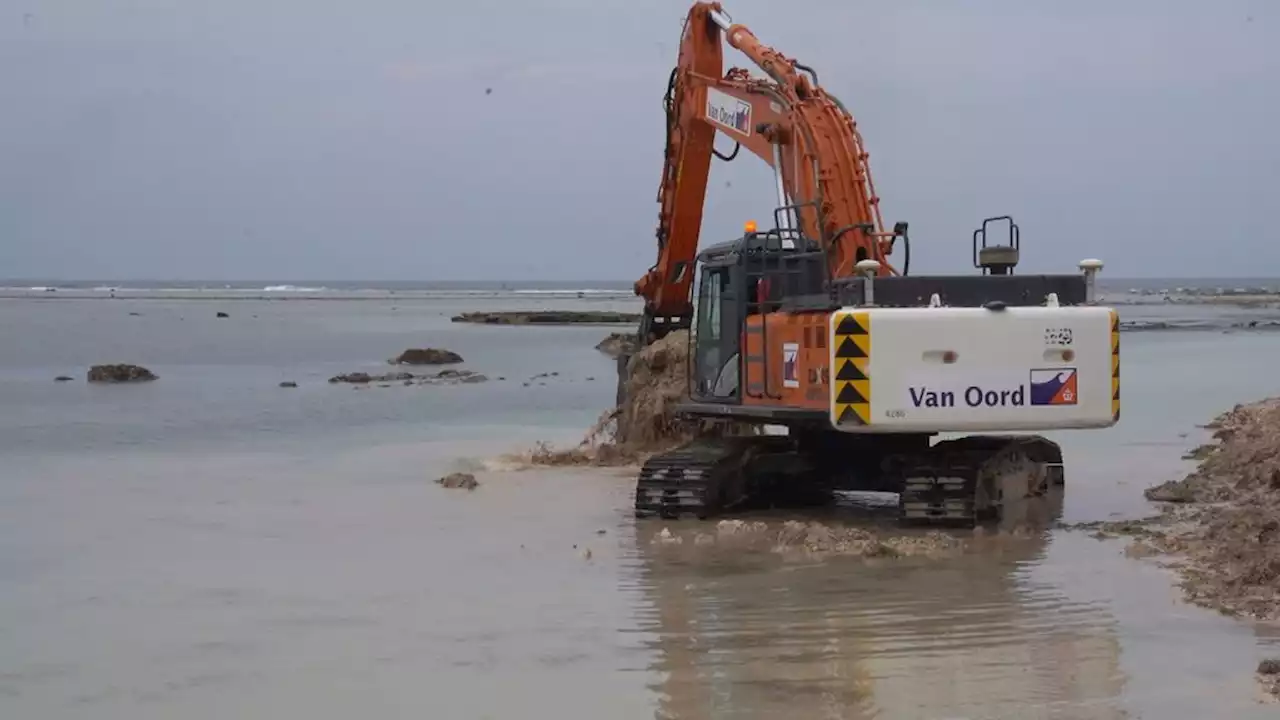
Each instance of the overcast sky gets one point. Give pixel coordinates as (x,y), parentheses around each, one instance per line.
(311,139)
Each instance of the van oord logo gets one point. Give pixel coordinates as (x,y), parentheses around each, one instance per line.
(1054,386)
(727,110)
(1050,386)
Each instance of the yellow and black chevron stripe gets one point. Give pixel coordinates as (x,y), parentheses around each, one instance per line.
(851,358)
(1115,366)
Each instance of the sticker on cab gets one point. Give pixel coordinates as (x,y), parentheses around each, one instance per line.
(790,365)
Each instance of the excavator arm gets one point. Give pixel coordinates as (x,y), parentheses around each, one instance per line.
(825,190)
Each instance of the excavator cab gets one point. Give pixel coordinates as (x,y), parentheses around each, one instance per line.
(716,337)
(755,274)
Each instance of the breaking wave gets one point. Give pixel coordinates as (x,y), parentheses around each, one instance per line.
(292,288)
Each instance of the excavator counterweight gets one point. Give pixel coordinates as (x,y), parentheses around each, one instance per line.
(806,325)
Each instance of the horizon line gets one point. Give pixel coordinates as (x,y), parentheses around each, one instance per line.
(286,280)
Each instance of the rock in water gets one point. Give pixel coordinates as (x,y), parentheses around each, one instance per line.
(120,374)
(464,481)
(223,315)
(361,378)
(444,377)
(452,377)
(427,356)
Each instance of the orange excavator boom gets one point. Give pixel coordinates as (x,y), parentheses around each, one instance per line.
(824,187)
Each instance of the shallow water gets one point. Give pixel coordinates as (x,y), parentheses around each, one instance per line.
(211,545)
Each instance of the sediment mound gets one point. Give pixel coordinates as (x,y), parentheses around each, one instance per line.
(1224,517)
(1243,461)
(657,380)
(427,356)
(548,317)
(1269,676)
(817,538)
(120,373)
(645,422)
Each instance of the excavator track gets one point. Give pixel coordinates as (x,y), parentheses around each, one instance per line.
(975,479)
(681,482)
(960,482)
(704,478)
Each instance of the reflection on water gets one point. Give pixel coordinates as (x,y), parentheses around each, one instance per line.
(971,635)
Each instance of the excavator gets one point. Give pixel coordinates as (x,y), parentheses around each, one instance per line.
(807,326)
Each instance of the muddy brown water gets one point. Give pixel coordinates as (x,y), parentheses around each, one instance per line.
(251,599)
(205,548)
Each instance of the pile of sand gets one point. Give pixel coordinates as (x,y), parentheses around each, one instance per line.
(657,380)
(1269,676)
(1224,518)
(645,423)
(1243,461)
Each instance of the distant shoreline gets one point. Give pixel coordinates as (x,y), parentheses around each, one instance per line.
(1144,287)
(1241,297)
(332,295)
(1246,313)
(310,298)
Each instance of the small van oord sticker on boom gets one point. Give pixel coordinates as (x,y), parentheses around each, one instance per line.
(727,110)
